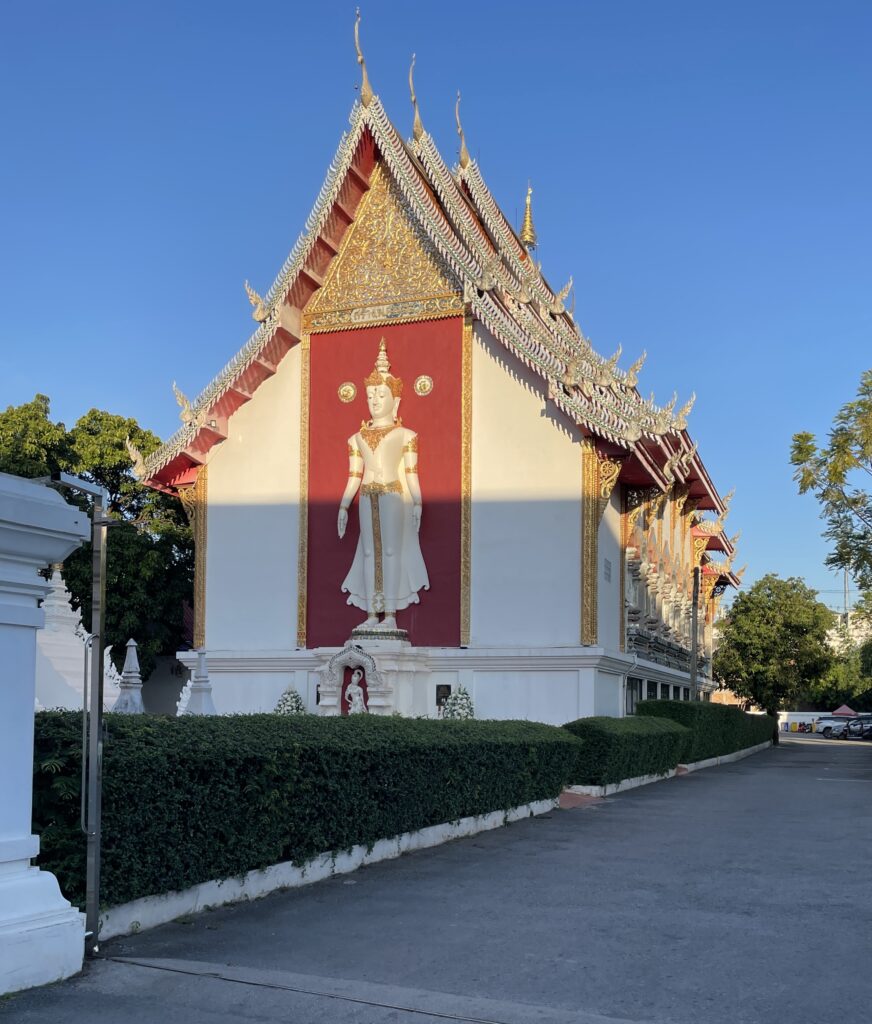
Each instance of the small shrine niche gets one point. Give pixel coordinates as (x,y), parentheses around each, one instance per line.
(354,697)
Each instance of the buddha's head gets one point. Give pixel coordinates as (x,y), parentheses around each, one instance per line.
(383,390)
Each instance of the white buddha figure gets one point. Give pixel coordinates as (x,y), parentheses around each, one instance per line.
(388,568)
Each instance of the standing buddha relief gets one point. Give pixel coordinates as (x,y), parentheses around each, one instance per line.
(388,569)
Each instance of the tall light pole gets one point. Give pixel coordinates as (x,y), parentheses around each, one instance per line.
(92,753)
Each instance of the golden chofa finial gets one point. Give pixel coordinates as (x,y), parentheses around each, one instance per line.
(366,92)
(528,232)
(464,152)
(417,124)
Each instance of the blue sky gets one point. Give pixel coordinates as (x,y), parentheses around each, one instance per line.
(701,169)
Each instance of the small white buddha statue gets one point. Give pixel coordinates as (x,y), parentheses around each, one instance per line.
(388,568)
(354,694)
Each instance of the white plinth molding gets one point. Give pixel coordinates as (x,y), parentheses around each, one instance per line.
(151,911)
(645,780)
(41,935)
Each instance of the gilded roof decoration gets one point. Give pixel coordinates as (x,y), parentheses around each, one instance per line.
(464,152)
(387,269)
(528,231)
(366,93)
(417,124)
(459,246)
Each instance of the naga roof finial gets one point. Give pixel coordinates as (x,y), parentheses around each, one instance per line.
(417,124)
(464,152)
(366,92)
(259,312)
(528,232)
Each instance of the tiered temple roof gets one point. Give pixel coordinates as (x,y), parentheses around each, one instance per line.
(495,281)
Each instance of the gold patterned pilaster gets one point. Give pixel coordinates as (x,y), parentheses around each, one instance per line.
(466,482)
(194,501)
(622,595)
(590,516)
(659,509)
(303,525)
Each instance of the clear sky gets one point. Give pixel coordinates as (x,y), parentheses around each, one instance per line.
(703,170)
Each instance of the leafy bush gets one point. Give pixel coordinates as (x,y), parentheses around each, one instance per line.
(189,799)
(715,729)
(625,748)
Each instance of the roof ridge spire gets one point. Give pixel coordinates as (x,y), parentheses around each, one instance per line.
(417,124)
(528,232)
(366,93)
(464,152)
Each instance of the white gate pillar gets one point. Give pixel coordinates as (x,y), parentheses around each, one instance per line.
(41,934)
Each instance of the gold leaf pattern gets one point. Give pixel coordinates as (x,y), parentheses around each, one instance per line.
(387,269)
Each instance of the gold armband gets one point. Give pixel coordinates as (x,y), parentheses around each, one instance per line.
(355,473)
(412,446)
(412,470)
(353,453)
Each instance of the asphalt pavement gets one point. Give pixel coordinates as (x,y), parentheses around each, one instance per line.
(733,895)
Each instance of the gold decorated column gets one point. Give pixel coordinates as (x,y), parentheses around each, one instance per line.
(303,517)
(194,502)
(599,474)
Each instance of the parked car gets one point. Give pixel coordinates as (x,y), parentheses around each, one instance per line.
(832,728)
(860,728)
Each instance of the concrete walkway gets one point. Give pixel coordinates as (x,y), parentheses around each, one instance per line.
(736,895)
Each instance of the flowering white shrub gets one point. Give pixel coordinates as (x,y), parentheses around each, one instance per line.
(290,703)
(458,704)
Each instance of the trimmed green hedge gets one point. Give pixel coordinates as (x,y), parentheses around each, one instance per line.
(715,729)
(190,799)
(625,748)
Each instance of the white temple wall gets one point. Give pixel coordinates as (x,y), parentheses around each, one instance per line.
(609,612)
(526,514)
(253,520)
(608,694)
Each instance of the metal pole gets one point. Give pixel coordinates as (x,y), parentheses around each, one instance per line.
(95,728)
(694,634)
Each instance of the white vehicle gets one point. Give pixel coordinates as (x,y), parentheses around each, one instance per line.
(832,728)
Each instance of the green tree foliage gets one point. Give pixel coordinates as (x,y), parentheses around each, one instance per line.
(865,654)
(30,444)
(773,643)
(833,474)
(150,550)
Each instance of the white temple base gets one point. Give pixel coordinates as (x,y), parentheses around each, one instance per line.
(543,684)
(42,937)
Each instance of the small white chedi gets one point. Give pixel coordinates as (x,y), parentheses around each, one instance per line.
(388,568)
(60,654)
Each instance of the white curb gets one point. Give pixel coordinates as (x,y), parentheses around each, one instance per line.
(151,911)
(644,780)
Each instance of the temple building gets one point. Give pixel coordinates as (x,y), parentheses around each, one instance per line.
(418,472)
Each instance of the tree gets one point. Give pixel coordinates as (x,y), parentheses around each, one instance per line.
(832,473)
(30,444)
(774,642)
(149,570)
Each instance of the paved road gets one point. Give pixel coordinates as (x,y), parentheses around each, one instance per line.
(735,895)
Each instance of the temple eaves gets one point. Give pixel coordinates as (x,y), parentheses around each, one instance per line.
(502,286)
